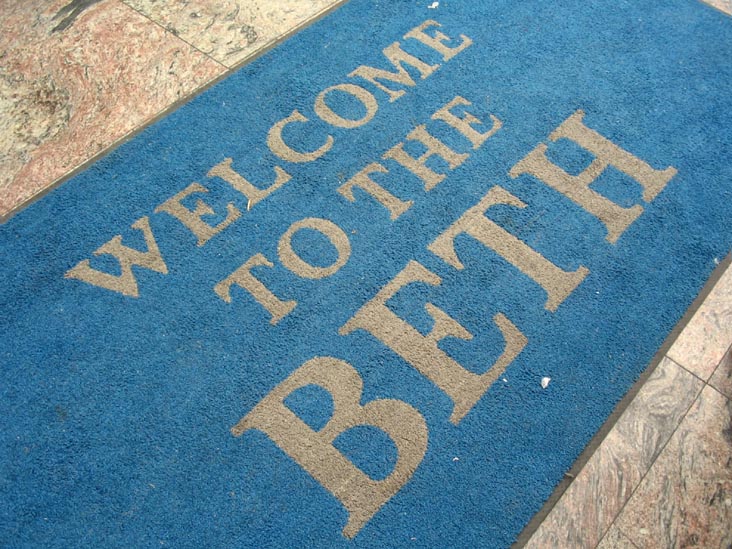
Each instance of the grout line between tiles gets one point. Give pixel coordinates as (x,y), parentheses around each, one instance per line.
(282,37)
(713,388)
(166,111)
(719,364)
(689,371)
(176,35)
(658,454)
(602,433)
(681,419)
(631,540)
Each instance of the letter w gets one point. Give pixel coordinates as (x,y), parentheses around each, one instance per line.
(396,57)
(124,283)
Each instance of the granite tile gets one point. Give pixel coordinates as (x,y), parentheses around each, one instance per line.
(657,409)
(76,76)
(722,378)
(723,5)
(593,500)
(615,539)
(588,507)
(685,500)
(230,30)
(708,335)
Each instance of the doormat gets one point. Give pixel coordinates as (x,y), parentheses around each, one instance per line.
(378,288)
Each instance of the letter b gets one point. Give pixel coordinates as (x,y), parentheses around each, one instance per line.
(314,451)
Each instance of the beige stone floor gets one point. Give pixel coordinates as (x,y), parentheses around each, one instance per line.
(78,76)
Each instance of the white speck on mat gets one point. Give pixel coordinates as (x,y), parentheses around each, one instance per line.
(545,382)
(433,5)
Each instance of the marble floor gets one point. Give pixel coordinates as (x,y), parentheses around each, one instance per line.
(662,475)
(78,76)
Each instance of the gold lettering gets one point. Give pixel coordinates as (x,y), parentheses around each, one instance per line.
(438,39)
(295,263)
(362,181)
(557,283)
(278,146)
(577,188)
(396,57)
(364,96)
(418,166)
(465,124)
(422,352)
(192,219)
(125,283)
(243,278)
(254,194)
(314,450)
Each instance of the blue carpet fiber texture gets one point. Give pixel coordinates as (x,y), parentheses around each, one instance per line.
(313,307)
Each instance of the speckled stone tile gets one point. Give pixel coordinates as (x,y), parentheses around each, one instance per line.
(685,500)
(722,378)
(590,504)
(724,5)
(615,539)
(76,76)
(230,30)
(708,335)
(594,498)
(657,410)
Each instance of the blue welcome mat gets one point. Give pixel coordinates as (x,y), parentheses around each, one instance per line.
(318,304)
